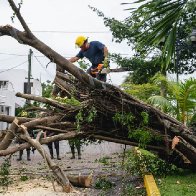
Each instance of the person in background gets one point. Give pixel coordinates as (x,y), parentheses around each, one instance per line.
(95,52)
(75,144)
(20,141)
(50,146)
(21,153)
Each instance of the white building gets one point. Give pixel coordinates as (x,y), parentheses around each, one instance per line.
(11,82)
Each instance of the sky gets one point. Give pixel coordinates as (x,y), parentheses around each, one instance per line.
(57,23)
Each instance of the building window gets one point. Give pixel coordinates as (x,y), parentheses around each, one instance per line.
(4,85)
(2,109)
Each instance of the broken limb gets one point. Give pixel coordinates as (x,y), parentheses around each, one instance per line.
(58,173)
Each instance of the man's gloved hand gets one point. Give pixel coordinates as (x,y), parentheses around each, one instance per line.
(106,62)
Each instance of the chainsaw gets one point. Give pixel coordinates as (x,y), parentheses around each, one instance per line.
(100,69)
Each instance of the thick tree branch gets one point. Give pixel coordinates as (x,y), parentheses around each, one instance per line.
(62,136)
(43,100)
(20,18)
(58,173)
(7,140)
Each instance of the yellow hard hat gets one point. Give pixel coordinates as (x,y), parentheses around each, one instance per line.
(80,41)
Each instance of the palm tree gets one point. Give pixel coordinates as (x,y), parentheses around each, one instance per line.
(159,20)
(180,101)
(186,97)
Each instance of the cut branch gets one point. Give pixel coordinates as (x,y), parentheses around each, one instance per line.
(59,174)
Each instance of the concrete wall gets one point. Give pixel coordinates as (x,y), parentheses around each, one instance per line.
(16,79)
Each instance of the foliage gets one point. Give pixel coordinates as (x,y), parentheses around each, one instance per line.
(69,101)
(19,7)
(151,23)
(85,116)
(145,118)
(104,160)
(180,183)
(24,178)
(4,173)
(22,111)
(180,100)
(143,136)
(103,183)
(47,89)
(83,64)
(162,104)
(135,90)
(186,98)
(158,20)
(192,123)
(141,162)
(141,70)
(175,99)
(79,119)
(125,119)
(130,190)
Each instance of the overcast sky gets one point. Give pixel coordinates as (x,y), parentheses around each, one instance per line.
(57,23)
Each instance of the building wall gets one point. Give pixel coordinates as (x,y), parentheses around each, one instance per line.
(16,79)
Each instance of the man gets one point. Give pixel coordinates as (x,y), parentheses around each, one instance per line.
(95,52)
(75,143)
(21,153)
(50,145)
(20,141)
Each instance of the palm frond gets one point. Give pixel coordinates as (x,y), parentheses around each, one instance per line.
(161,103)
(159,19)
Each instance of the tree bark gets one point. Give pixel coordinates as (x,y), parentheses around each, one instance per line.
(108,102)
(58,173)
(62,136)
(7,140)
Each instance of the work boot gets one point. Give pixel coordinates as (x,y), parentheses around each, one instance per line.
(20,155)
(28,155)
(79,156)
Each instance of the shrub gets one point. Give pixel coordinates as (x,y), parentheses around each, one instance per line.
(140,162)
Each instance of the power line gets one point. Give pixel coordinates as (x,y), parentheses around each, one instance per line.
(7,59)
(13,67)
(13,54)
(43,67)
(27,55)
(81,32)
(46,57)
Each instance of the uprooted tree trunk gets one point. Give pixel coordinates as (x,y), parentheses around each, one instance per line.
(108,113)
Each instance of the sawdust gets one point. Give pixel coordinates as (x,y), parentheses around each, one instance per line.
(39,183)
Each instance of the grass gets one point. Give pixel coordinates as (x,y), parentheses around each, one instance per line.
(181,184)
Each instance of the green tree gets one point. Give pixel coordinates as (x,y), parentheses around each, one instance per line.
(141,70)
(152,22)
(135,90)
(155,20)
(47,89)
(180,101)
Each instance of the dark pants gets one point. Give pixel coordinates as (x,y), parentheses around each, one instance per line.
(56,145)
(75,143)
(21,153)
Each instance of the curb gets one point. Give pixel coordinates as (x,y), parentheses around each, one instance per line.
(151,187)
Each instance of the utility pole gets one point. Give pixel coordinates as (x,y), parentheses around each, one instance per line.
(29,74)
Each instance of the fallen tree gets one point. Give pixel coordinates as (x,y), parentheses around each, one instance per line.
(103,112)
